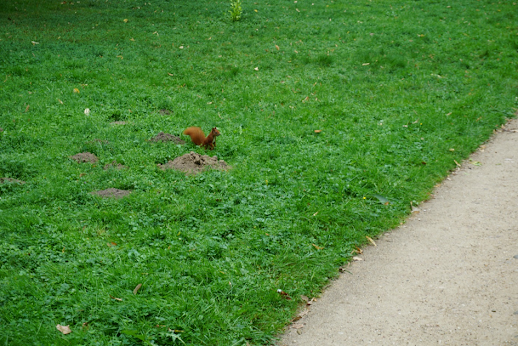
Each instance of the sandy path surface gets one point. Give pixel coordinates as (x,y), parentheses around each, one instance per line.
(449,276)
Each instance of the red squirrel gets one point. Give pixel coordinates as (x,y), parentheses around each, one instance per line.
(198,137)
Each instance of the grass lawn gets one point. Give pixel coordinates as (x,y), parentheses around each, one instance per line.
(334,115)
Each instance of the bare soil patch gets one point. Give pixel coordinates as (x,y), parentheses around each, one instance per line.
(11,180)
(167,137)
(194,163)
(165,112)
(84,157)
(111,193)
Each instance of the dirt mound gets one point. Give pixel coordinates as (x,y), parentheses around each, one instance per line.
(194,163)
(111,193)
(11,180)
(115,165)
(85,157)
(167,137)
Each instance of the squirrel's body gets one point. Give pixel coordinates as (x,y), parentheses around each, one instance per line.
(198,137)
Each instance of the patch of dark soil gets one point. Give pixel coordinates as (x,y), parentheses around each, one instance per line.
(11,180)
(111,193)
(1,129)
(165,112)
(114,123)
(85,157)
(167,137)
(194,163)
(114,165)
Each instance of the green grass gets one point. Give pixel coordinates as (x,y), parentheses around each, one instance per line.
(392,85)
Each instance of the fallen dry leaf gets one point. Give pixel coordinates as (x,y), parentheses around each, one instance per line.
(76,90)
(318,131)
(117,299)
(27,108)
(357,259)
(137,288)
(304,298)
(284,294)
(64,329)
(303,313)
(87,111)
(276,46)
(317,247)
(311,301)
(372,241)
(297,325)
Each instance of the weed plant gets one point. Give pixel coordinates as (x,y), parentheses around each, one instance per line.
(235,10)
(327,109)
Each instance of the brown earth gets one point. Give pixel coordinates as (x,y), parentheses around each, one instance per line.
(448,276)
(167,137)
(111,193)
(84,157)
(194,163)
(165,112)
(11,180)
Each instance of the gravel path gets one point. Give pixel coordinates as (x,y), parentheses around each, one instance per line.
(448,276)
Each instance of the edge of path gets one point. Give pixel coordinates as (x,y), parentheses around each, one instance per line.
(448,276)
